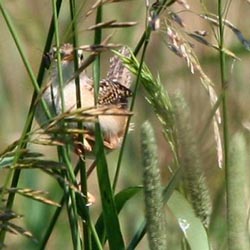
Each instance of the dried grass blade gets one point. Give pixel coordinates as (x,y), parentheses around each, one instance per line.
(14,229)
(215,21)
(112,24)
(37,195)
(101,25)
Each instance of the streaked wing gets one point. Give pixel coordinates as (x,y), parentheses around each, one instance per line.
(112,92)
(118,71)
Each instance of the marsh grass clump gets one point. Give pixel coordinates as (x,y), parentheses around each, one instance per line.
(194,47)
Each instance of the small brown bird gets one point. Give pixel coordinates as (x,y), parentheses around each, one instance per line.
(113,95)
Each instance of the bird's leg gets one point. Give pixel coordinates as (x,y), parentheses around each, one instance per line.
(112,142)
(82,147)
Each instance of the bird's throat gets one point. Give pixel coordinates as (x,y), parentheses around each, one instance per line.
(68,71)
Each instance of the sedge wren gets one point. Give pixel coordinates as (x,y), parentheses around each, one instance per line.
(114,91)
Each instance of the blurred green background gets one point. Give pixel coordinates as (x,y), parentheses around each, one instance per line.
(32,18)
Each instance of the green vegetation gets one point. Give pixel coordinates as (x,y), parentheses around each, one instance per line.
(181,176)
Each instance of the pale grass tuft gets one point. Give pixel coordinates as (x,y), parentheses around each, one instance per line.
(216,123)
(214,19)
(157,97)
(179,44)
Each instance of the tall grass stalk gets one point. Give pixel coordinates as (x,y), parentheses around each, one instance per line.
(142,43)
(238,235)
(86,232)
(63,151)
(14,174)
(175,124)
(58,55)
(223,83)
(160,101)
(155,214)
(195,184)
(228,176)
(110,214)
(138,79)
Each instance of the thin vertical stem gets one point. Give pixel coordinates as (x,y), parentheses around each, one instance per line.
(224,102)
(145,44)
(55,217)
(27,127)
(223,81)
(57,41)
(83,175)
(98,39)
(75,45)
(63,152)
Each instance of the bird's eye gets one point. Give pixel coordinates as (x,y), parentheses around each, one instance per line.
(49,57)
(81,56)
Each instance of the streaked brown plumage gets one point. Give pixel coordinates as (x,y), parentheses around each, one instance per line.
(113,93)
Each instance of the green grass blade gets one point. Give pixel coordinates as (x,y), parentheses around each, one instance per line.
(63,152)
(120,200)
(191,226)
(86,232)
(110,214)
(138,236)
(22,142)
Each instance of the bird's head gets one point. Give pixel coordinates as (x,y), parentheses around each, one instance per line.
(67,52)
